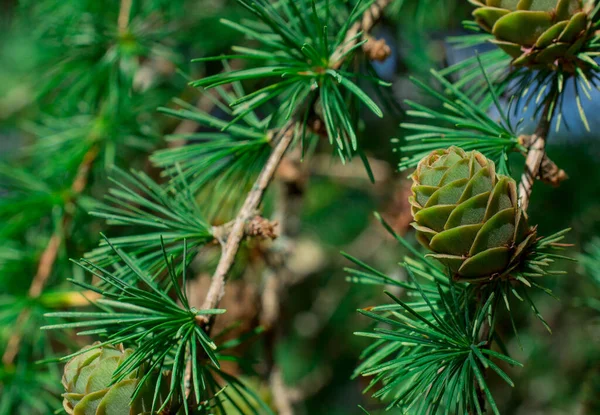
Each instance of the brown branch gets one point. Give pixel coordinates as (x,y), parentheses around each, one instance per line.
(550,173)
(535,154)
(281,397)
(49,255)
(247,223)
(124,15)
(217,289)
(83,172)
(45,265)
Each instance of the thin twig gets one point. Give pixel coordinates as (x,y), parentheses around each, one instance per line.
(535,154)
(217,288)
(236,233)
(124,15)
(48,257)
(45,265)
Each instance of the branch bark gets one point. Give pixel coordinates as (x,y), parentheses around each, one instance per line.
(536,154)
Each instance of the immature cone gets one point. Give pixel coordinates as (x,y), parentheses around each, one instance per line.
(536,33)
(87,381)
(469,215)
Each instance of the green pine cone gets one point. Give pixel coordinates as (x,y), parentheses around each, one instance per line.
(537,33)
(469,215)
(87,379)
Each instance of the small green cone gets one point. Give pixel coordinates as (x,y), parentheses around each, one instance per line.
(469,215)
(537,33)
(87,380)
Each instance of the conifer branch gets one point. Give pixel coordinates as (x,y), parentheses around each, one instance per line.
(549,172)
(536,157)
(272,298)
(124,15)
(205,104)
(256,227)
(282,141)
(236,232)
(48,257)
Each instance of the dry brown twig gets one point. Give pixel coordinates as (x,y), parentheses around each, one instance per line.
(256,227)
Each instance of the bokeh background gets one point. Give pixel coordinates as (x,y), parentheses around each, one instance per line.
(70,81)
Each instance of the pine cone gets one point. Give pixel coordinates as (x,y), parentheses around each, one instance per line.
(87,381)
(536,33)
(468,215)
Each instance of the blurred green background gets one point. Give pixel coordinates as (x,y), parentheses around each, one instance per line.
(70,80)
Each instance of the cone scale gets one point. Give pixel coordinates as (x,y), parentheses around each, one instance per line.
(468,215)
